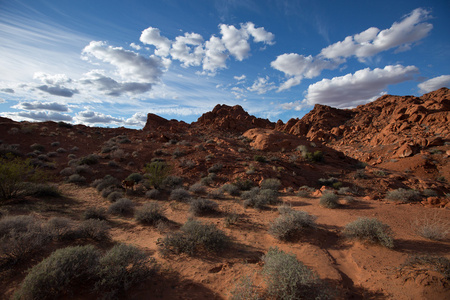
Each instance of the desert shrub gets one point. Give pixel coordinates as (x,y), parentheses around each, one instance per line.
(58,274)
(327,181)
(123,206)
(61,150)
(90,159)
(371,230)
(360,174)
(180,195)
(136,177)
(96,230)
(43,157)
(215,168)
(83,169)
(156,172)
(197,188)
(37,147)
(231,189)
(244,289)
(114,196)
(305,192)
(121,267)
(231,219)
(150,214)
(14,172)
(329,200)
(52,154)
(337,185)
(200,207)
(194,237)
(260,158)
(107,181)
(429,193)
(344,190)
(215,194)
(244,184)
(172,182)
(441,179)
(76,178)
(403,195)
(178,153)
(42,190)
(67,171)
(379,173)
(291,223)
(437,263)
(431,227)
(271,184)
(152,194)
(288,278)
(20,236)
(64,124)
(268,196)
(6,149)
(60,228)
(112,164)
(284,209)
(317,156)
(98,213)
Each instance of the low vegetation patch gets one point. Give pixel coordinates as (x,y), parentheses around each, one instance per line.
(431,227)
(201,207)
(150,214)
(288,278)
(180,195)
(271,184)
(403,195)
(290,224)
(122,207)
(98,213)
(329,200)
(370,230)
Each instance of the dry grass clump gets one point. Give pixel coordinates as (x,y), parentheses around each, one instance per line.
(180,195)
(288,278)
(260,198)
(431,227)
(291,223)
(197,188)
(201,207)
(245,289)
(329,200)
(150,214)
(370,230)
(122,207)
(425,262)
(152,194)
(271,184)
(305,191)
(195,237)
(231,189)
(96,230)
(402,195)
(98,213)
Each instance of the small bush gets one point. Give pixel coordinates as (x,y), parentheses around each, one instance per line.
(215,168)
(260,158)
(429,193)
(268,196)
(305,192)
(403,195)
(437,263)
(291,223)
(43,190)
(172,182)
(215,194)
(156,172)
(90,159)
(98,213)
(197,188)
(360,174)
(431,227)
(244,185)
(60,228)
(245,289)
(96,230)
(77,179)
(122,207)
(327,181)
(195,237)
(107,181)
(150,214)
(61,150)
(58,274)
(83,169)
(329,200)
(271,184)
(67,171)
(136,177)
(200,207)
(152,194)
(371,230)
(114,196)
(288,278)
(231,189)
(120,268)
(180,195)
(37,147)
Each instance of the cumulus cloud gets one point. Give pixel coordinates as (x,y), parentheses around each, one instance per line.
(215,56)
(262,85)
(130,65)
(183,49)
(259,34)
(7,90)
(298,67)
(435,83)
(111,87)
(138,119)
(372,41)
(36,105)
(38,116)
(240,78)
(152,36)
(358,88)
(91,117)
(235,40)
(135,46)
(55,84)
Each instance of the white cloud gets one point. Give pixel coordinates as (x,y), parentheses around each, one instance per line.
(262,85)
(2,100)
(298,67)
(296,105)
(7,90)
(138,119)
(36,105)
(55,84)
(240,78)
(152,36)
(130,65)
(135,46)
(372,41)
(37,116)
(435,83)
(90,118)
(259,34)
(358,88)
(182,50)
(215,56)
(235,40)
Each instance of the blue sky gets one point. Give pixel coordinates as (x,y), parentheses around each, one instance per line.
(109,63)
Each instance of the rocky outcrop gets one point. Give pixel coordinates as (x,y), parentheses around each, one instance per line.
(157,123)
(232,119)
(272,140)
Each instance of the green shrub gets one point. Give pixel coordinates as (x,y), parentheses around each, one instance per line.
(429,193)
(59,274)
(244,184)
(90,159)
(42,190)
(172,182)
(288,278)
(180,195)
(327,181)
(195,237)
(329,200)
(150,214)
(120,268)
(136,177)
(291,223)
(156,172)
(60,228)
(371,230)
(317,156)
(122,207)
(14,172)
(271,184)
(231,189)
(98,213)
(403,195)
(200,207)
(260,158)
